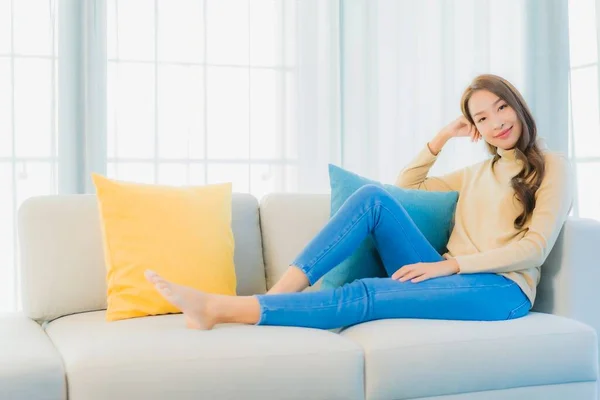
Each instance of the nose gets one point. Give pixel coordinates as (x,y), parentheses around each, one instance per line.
(499,125)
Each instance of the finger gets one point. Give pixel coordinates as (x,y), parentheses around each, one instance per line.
(403,271)
(421,278)
(411,275)
(399,273)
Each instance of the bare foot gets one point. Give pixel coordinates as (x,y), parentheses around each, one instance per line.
(190,301)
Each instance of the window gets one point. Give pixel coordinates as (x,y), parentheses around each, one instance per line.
(200,94)
(584,126)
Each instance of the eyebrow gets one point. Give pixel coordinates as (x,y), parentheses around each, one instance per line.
(496,102)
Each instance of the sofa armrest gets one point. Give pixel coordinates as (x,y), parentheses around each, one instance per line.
(570,277)
(31,367)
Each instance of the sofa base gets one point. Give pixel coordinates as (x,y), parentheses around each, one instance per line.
(578,390)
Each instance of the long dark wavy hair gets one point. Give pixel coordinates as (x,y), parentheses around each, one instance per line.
(527,182)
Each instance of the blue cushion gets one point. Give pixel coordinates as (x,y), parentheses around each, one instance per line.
(432,212)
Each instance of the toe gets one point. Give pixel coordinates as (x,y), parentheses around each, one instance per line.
(151,275)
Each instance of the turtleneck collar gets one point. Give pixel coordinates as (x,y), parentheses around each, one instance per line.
(511,155)
(507,155)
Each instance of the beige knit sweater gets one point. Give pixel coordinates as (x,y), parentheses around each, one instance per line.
(484,238)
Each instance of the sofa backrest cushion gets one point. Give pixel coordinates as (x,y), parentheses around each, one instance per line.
(288,223)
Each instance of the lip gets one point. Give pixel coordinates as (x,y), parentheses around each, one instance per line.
(504,134)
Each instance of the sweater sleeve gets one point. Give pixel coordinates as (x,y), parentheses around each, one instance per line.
(553,203)
(414,176)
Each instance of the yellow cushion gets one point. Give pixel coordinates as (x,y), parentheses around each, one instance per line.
(182,233)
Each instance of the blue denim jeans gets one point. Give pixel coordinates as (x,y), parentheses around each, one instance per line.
(372,211)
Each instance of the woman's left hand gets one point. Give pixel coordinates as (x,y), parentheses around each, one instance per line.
(420,272)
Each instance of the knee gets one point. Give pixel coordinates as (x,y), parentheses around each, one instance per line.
(362,289)
(372,192)
(358,288)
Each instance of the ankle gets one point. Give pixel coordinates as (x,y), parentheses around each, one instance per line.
(212,308)
(293,280)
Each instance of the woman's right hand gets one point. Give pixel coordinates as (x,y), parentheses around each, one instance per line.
(461,127)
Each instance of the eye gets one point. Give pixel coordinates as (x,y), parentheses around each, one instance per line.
(481,120)
(502,107)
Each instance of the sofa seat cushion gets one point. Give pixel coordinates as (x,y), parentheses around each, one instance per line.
(411,358)
(158,358)
(31,368)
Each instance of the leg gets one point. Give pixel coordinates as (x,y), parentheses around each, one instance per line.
(293,280)
(370,210)
(481,297)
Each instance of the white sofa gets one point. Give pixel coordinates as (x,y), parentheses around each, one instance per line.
(61,347)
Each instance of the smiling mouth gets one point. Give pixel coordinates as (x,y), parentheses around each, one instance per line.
(503,133)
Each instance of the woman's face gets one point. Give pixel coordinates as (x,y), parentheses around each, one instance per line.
(497,122)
